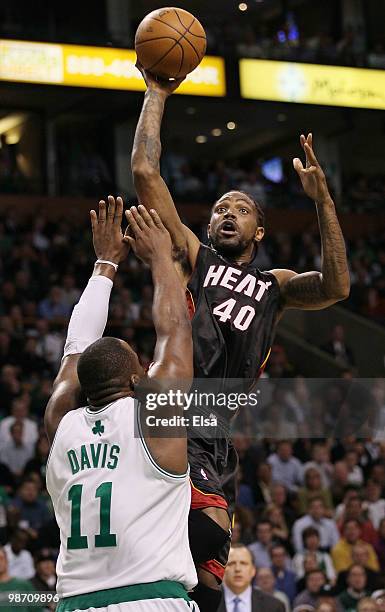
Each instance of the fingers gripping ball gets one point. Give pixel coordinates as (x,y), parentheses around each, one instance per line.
(170,43)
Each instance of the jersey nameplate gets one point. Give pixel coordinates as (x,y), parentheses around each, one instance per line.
(228,277)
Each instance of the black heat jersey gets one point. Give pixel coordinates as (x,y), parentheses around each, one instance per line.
(235,308)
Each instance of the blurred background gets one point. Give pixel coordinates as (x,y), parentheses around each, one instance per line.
(69,104)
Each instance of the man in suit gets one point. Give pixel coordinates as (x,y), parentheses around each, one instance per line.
(238,593)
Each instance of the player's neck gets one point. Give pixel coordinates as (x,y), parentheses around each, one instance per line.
(246,256)
(95,403)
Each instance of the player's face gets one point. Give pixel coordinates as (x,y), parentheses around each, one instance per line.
(234,224)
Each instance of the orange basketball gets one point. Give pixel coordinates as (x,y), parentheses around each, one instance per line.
(170,42)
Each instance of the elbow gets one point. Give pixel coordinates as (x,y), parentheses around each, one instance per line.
(143,171)
(342,293)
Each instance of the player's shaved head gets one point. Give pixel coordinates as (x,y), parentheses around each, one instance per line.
(108,369)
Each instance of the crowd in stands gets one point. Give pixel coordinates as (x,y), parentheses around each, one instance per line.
(320,48)
(312,514)
(274,187)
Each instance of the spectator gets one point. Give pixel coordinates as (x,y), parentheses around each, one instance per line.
(311,543)
(326,528)
(279,498)
(33,512)
(339,481)
(339,349)
(49,343)
(379,598)
(276,517)
(265,581)
(367,604)
(315,582)
(326,604)
(342,552)
(9,584)
(54,306)
(260,549)
(360,556)
(286,469)
(245,493)
(356,590)
(45,575)
(313,488)
(355,474)
(354,510)
(237,585)
(284,577)
(253,186)
(3,513)
(262,489)
(374,503)
(19,412)
(380,545)
(15,453)
(38,463)
(321,461)
(71,293)
(20,562)
(350,493)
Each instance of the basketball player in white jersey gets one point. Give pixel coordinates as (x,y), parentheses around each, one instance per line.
(121,499)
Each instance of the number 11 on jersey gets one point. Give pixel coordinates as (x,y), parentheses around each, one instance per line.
(105,537)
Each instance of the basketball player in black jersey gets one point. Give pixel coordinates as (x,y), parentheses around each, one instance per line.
(236,308)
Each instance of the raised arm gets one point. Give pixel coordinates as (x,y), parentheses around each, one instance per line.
(317,290)
(172,368)
(151,189)
(89,316)
(173,350)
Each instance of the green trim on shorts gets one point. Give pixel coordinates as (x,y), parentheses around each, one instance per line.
(163,589)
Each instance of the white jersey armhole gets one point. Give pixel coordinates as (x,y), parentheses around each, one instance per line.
(53,441)
(150,459)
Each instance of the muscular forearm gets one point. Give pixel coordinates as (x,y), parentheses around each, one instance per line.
(169,310)
(147,147)
(335,271)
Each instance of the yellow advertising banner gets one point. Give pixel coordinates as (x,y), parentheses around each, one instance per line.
(101,67)
(312,84)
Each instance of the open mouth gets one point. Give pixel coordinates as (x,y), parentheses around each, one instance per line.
(228,228)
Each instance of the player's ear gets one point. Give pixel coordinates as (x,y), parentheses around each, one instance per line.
(134,380)
(259,234)
(208,231)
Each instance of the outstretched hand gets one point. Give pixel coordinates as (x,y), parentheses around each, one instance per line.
(163,86)
(107,231)
(312,176)
(151,241)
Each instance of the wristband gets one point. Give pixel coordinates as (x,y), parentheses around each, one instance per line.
(104,261)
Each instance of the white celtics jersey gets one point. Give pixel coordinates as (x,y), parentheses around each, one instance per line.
(122,519)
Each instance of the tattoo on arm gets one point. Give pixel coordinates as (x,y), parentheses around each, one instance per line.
(335,270)
(304,290)
(314,290)
(147,146)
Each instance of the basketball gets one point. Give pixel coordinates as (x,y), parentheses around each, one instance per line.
(170,43)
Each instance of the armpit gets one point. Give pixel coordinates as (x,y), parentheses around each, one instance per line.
(180,257)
